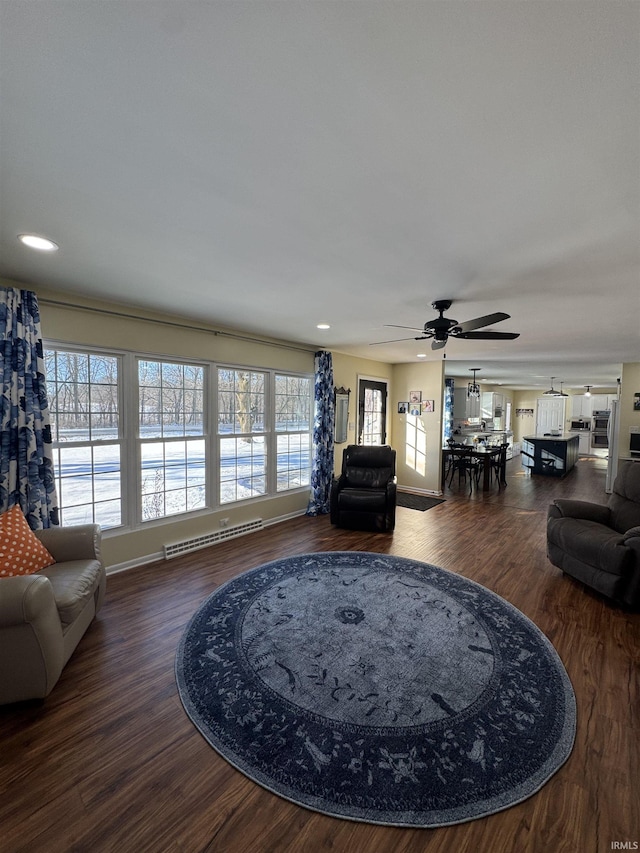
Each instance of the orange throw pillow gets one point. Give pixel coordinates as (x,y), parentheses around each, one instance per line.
(21,552)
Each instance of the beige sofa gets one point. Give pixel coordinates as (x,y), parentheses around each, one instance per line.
(43,616)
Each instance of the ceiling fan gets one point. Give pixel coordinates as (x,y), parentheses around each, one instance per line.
(440,329)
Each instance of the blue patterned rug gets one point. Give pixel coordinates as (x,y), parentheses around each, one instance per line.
(377,688)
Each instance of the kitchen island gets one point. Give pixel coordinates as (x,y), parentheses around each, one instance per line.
(552,455)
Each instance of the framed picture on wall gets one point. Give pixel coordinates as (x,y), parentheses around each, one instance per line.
(403,408)
(428,406)
(415,397)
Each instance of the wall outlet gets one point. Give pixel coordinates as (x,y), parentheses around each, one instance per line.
(224,522)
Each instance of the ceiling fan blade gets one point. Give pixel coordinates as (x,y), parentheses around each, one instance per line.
(397,340)
(487,320)
(437,344)
(394,326)
(486,336)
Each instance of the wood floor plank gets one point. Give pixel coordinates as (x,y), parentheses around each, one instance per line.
(111,762)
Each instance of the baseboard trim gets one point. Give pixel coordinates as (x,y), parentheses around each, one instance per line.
(428,493)
(116,568)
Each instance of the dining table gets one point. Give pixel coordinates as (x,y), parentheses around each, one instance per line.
(480,451)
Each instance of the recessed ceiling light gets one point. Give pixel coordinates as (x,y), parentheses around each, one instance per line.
(323,326)
(42,244)
(421,355)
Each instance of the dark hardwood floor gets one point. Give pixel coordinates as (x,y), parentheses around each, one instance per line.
(110,763)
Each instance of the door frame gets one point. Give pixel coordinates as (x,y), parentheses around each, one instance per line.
(540,404)
(378,380)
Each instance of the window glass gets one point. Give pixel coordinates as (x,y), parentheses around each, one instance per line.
(86,424)
(293,425)
(242,415)
(173,449)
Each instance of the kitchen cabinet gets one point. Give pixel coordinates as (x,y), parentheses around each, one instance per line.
(492,405)
(581,406)
(551,456)
(465,407)
(584,442)
(602,402)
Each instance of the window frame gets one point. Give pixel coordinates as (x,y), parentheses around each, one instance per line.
(162,438)
(293,432)
(130,442)
(92,443)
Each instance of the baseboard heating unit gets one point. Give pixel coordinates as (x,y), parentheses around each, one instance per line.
(212,538)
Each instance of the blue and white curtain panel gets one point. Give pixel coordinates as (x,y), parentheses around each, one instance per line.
(26,456)
(323,435)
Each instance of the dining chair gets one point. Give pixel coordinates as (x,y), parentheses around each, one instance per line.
(498,465)
(463,462)
(451,443)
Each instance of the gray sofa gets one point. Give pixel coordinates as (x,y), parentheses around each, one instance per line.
(600,544)
(43,616)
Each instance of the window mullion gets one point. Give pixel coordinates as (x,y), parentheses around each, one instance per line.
(131,474)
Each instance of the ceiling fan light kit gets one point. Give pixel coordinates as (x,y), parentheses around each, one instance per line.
(473,389)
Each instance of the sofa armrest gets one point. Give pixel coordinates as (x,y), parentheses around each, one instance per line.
(632,537)
(76,542)
(26,598)
(567,508)
(31,640)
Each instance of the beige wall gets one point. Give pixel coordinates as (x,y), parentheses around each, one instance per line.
(101,324)
(347,371)
(418,440)
(630,385)
(526,424)
(67,325)
(523,424)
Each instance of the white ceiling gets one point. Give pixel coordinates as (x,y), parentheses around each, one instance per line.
(267,166)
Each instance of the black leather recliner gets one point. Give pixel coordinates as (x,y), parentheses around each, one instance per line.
(363,497)
(600,544)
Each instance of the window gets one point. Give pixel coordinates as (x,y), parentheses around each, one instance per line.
(241,434)
(171,434)
(132,439)
(87,438)
(293,431)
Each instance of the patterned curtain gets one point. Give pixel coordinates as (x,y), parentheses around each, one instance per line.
(447,431)
(26,457)
(323,434)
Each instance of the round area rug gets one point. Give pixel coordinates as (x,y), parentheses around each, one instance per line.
(377,688)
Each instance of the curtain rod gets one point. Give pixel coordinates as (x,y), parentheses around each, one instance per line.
(216,332)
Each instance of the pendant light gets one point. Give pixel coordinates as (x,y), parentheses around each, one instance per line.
(551,392)
(561,392)
(587,393)
(473,389)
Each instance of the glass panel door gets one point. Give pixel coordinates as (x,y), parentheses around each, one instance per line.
(372,412)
